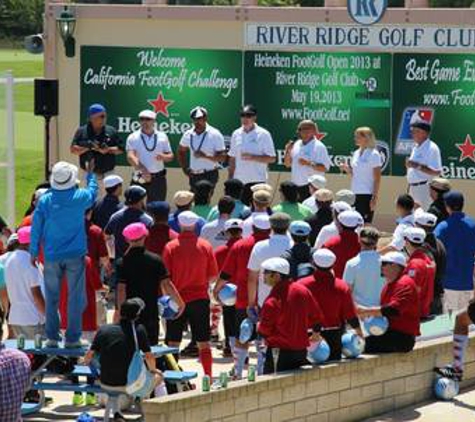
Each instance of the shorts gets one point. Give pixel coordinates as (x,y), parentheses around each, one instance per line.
(29,331)
(456,300)
(241,315)
(288,360)
(390,342)
(197,314)
(333,338)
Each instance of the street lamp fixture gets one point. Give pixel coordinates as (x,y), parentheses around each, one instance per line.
(66,25)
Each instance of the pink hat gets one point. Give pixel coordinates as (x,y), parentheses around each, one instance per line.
(24,235)
(135,231)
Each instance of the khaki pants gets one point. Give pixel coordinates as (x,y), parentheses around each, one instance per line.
(29,331)
(421,195)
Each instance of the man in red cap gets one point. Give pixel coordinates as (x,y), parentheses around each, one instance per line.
(335,299)
(192,267)
(142,274)
(286,317)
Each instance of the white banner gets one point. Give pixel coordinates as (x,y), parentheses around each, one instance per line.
(401,37)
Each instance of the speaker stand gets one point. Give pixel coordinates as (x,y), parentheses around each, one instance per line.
(47,146)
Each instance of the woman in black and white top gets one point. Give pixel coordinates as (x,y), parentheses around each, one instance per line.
(364,169)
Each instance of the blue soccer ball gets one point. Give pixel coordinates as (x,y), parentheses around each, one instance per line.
(446,388)
(245,331)
(352,345)
(318,352)
(376,326)
(167,307)
(227,295)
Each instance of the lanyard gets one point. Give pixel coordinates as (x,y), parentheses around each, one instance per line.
(201,143)
(145,142)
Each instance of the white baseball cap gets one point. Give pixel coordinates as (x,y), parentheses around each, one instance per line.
(112,180)
(415,235)
(324,258)
(261,221)
(425,219)
(394,258)
(187,219)
(147,114)
(346,195)
(64,176)
(277,265)
(350,219)
(340,206)
(233,223)
(317,181)
(198,112)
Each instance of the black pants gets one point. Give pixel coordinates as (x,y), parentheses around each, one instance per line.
(211,176)
(391,341)
(363,206)
(303,192)
(156,188)
(333,338)
(152,326)
(246,196)
(288,360)
(229,321)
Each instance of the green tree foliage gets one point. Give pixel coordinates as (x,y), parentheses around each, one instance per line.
(21,17)
(450,3)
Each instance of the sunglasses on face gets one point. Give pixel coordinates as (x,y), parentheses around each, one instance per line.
(385,264)
(100,116)
(247,115)
(145,119)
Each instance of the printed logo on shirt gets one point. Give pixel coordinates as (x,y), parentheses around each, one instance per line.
(404,141)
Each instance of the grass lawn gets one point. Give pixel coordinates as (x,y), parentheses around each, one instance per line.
(29,129)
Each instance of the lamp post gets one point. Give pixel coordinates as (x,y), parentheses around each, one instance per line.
(66,25)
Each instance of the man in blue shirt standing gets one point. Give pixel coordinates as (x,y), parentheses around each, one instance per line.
(59,227)
(457,233)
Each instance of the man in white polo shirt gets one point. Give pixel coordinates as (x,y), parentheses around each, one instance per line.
(206,146)
(424,163)
(147,152)
(252,150)
(306,157)
(315,183)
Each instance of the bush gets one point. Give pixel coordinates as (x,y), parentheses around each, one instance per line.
(21,17)
(450,3)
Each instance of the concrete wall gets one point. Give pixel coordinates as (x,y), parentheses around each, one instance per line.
(350,391)
(195,27)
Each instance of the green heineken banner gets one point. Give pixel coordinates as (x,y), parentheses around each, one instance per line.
(169,81)
(339,91)
(441,87)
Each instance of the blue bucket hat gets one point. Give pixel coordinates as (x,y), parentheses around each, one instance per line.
(300,228)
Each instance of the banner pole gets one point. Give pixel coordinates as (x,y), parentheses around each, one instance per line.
(10,115)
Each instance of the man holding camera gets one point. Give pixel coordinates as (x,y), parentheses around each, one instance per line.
(97,140)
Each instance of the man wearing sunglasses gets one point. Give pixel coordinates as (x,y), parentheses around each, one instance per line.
(207,149)
(305,157)
(97,141)
(147,152)
(424,163)
(252,150)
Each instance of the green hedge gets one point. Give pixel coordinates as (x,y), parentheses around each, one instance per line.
(20,17)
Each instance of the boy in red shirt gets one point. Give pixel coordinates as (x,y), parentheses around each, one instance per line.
(286,317)
(89,319)
(399,304)
(160,233)
(346,245)
(192,267)
(335,300)
(235,271)
(420,267)
(233,231)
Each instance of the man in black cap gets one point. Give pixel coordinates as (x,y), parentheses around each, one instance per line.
(97,141)
(111,203)
(252,150)
(133,212)
(438,188)
(424,163)
(206,146)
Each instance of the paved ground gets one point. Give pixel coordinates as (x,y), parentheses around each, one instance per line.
(462,409)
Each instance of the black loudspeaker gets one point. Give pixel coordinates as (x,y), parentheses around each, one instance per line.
(46,97)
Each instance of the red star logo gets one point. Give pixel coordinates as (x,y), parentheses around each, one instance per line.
(320,135)
(467,149)
(160,105)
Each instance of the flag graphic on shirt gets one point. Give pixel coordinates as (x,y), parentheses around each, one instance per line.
(404,142)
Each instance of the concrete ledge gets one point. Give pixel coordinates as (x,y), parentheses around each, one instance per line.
(346,391)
